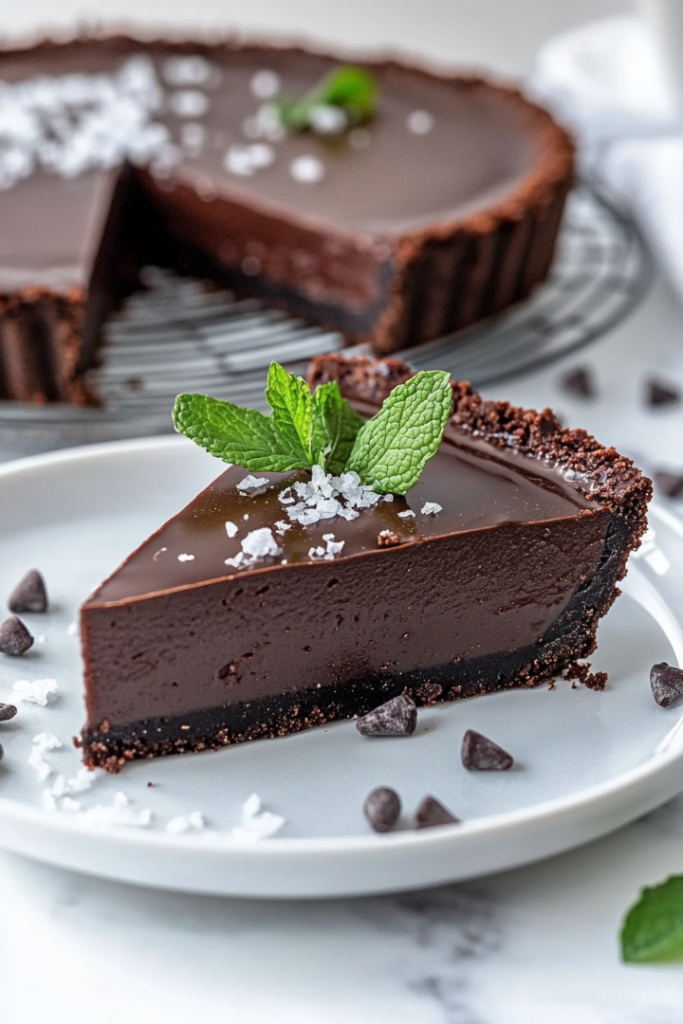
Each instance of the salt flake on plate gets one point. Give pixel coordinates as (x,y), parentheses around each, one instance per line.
(408,514)
(430,508)
(256,823)
(42,743)
(119,812)
(39,691)
(231,529)
(186,558)
(186,823)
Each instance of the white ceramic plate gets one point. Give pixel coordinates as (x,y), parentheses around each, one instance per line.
(586,762)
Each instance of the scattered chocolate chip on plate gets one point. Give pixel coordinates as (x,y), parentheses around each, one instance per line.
(432,812)
(480,754)
(579,382)
(7,711)
(398,717)
(657,393)
(669,484)
(15,639)
(382,808)
(667,683)
(30,594)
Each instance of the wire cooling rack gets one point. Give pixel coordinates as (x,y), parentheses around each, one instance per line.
(177,335)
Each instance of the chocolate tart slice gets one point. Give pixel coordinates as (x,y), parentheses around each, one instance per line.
(492,572)
(440,211)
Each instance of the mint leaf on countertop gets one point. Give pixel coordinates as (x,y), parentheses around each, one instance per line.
(335,428)
(653,928)
(244,437)
(348,89)
(391,449)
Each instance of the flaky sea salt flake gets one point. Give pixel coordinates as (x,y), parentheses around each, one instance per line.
(260,543)
(251,483)
(231,529)
(256,823)
(265,84)
(38,691)
(420,122)
(307,169)
(119,812)
(194,821)
(408,514)
(430,508)
(42,744)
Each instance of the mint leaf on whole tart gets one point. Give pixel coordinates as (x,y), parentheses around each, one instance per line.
(388,451)
(653,929)
(349,90)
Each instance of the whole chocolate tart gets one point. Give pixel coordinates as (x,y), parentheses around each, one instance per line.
(492,572)
(441,210)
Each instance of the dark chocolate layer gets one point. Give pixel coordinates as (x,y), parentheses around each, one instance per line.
(572,636)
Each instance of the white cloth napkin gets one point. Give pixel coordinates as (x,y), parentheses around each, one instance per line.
(606,83)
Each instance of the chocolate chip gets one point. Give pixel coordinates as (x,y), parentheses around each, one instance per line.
(579,382)
(431,813)
(480,754)
(382,808)
(398,717)
(667,683)
(7,711)
(30,594)
(657,393)
(15,639)
(670,484)
(387,539)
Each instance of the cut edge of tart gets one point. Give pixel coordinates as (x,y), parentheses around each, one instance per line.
(182,655)
(395,286)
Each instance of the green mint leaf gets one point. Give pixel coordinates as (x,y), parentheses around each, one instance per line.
(292,403)
(653,929)
(391,449)
(348,88)
(335,428)
(244,437)
(352,89)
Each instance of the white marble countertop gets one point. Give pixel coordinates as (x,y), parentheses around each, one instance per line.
(537,945)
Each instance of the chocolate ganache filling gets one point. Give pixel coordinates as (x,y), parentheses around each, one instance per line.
(184,651)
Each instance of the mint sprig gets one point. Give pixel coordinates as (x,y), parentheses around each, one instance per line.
(350,89)
(388,451)
(653,929)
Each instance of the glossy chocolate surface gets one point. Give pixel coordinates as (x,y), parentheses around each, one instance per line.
(477,486)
